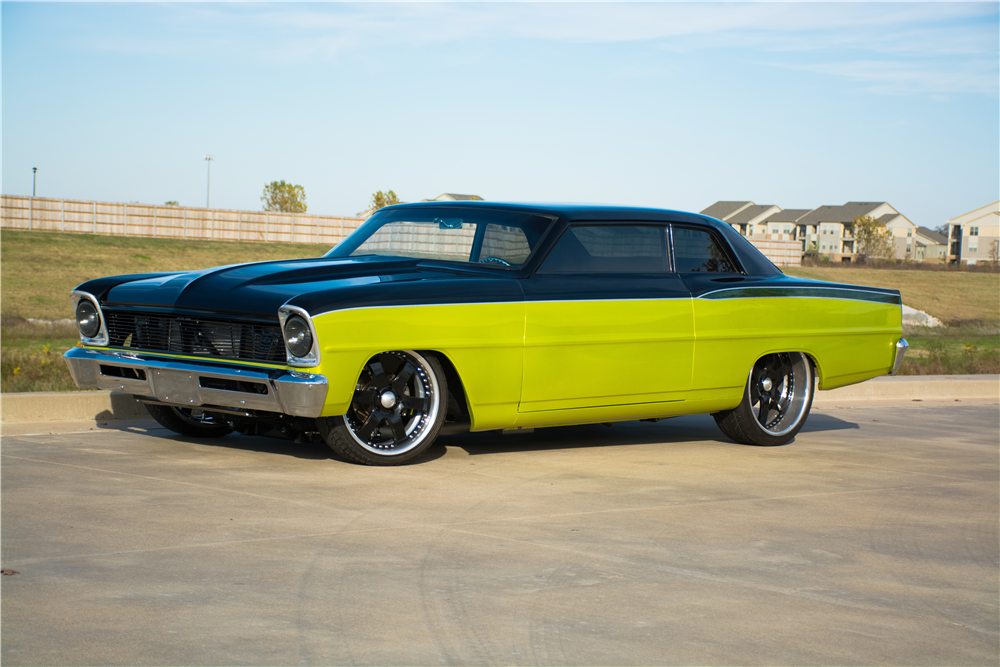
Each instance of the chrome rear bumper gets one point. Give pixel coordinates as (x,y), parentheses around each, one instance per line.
(901,347)
(202,384)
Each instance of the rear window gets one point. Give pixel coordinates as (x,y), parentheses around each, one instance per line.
(698,251)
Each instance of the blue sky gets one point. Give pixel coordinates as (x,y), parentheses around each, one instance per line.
(671,105)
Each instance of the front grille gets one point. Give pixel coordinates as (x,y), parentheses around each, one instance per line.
(196,336)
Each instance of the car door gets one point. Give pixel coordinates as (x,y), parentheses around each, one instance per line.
(607,323)
(728,334)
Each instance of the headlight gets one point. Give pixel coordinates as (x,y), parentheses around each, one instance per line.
(88,319)
(298,337)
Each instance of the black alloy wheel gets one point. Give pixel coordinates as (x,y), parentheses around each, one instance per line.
(396,413)
(776,401)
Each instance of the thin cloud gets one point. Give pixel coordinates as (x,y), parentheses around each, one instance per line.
(892,46)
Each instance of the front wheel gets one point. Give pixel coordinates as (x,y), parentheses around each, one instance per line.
(776,401)
(398,407)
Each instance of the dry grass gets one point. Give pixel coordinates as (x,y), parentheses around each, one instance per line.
(38,270)
(951,296)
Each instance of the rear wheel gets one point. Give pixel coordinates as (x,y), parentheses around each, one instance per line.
(398,407)
(776,401)
(189,421)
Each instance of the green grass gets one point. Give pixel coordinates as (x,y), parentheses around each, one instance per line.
(30,355)
(39,269)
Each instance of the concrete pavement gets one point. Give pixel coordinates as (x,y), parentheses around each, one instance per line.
(871,539)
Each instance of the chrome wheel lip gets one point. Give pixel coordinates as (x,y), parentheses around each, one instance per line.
(795,398)
(419,427)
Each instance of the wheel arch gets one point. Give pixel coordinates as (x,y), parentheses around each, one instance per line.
(458,408)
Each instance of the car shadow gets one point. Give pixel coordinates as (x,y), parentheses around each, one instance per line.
(316,451)
(677,430)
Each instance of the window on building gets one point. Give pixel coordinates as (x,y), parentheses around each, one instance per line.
(909,233)
(973,231)
(973,245)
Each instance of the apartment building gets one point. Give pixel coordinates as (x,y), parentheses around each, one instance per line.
(827,230)
(975,236)
(930,246)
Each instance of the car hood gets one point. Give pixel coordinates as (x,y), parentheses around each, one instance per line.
(262,287)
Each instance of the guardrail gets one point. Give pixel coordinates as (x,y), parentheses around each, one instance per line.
(175,222)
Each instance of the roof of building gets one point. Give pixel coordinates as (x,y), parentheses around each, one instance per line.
(454,197)
(845,213)
(721,209)
(787,215)
(930,234)
(749,213)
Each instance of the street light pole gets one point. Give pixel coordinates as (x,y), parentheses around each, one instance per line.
(208,188)
(34,176)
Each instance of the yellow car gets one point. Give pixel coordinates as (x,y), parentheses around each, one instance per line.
(439,318)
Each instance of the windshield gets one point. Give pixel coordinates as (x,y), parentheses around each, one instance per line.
(501,238)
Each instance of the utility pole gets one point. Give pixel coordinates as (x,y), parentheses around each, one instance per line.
(34,177)
(208,189)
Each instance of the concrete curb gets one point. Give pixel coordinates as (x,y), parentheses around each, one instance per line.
(914,388)
(107,406)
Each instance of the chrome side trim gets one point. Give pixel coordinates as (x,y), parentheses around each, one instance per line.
(901,347)
(182,383)
(102,336)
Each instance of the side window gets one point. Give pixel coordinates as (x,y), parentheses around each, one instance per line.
(608,249)
(697,251)
(507,243)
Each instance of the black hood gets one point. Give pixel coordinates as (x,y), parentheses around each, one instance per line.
(259,288)
(320,284)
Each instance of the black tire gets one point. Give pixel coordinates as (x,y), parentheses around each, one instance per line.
(776,401)
(189,421)
(398,407)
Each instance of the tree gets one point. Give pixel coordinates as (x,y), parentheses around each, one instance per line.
(382,199)
(284,197)
(995,254)
(872,239)
(172,202)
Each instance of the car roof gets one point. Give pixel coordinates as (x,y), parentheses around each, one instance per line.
(752,260)
(575,212)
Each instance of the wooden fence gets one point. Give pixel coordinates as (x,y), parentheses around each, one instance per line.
(171,222)
(781,249)
(175,222)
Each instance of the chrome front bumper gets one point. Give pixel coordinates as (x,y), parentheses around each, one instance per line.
(199,384)
(901,347)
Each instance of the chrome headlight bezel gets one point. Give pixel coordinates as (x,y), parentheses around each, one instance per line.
(311,359)
(101,339)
